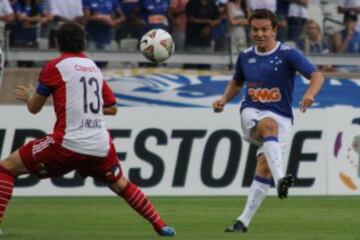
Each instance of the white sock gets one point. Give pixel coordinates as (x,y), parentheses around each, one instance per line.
(273,154)
(258,190)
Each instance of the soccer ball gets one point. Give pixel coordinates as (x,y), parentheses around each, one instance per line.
(157,45)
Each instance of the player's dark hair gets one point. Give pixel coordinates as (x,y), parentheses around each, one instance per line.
(70,37)
(265,14)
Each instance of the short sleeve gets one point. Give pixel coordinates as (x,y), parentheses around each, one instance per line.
(16,8)
(116,6)
(50,75)
(6,8)
(341,3)
(239,76)
(86,4)
(79,9)
(300,63)
(40,9)
(108,95)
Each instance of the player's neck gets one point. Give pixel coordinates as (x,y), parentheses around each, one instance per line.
(267,48)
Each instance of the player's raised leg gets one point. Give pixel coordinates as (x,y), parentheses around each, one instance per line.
(257,193)
(142,205)
(267,128)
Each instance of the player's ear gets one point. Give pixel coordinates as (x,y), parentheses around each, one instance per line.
(275,29)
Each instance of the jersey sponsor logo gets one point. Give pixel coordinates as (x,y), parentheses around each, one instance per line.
(253,84)
(264,95)
(284,47)
(248,50)
(80,68)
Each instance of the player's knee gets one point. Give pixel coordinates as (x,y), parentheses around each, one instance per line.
(264,171)
(268,126)
(119,185)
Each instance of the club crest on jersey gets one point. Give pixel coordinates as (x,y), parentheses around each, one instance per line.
(276,62)
(252,60)
(264,95)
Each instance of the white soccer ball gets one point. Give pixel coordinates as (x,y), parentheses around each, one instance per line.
(157,45)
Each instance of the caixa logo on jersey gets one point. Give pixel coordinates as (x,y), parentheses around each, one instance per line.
(264,95)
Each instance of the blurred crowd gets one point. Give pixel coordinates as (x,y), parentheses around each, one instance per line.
(196,25)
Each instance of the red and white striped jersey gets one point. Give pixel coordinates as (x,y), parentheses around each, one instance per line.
(79,94)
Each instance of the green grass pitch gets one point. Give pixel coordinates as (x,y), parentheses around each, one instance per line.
(87,218)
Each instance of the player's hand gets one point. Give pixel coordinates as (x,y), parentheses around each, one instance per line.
(23,92)
(306,102)
(218,105)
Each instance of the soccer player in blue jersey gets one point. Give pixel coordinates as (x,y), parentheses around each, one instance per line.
(267,71)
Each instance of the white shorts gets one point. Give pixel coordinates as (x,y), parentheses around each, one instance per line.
(251,116)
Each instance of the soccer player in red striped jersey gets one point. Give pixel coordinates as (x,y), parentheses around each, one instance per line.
(80,140)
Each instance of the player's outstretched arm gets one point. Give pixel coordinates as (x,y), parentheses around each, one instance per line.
(34,101)
(232,89)
(109,107)
(316,82)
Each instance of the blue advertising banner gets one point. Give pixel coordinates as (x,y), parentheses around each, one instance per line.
(181,88)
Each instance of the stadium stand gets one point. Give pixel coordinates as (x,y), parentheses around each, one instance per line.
(324,12)
(128,44)
(332,20)
(316,13)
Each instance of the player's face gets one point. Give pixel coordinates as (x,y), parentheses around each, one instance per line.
(263,34)
(350,25)
(312,30)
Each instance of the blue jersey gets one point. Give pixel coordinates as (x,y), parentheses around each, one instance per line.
(354,43)
(154,13)
(269,77)
(128,6)
(26,34)
(98,31)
